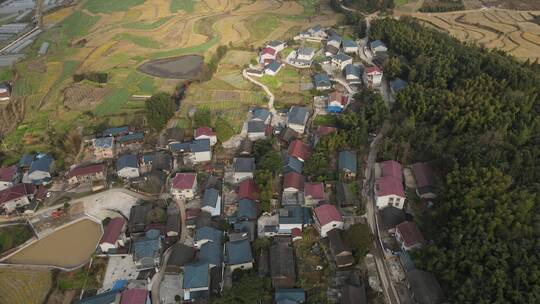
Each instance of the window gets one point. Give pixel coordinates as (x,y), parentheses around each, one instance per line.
(398,199)
(390,204)
(334,225)
(391,200)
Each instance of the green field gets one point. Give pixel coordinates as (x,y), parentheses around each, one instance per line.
(113,102)
(262,26)
(13,236)
(182,5)
(108,6)
(147,26)
(138,40)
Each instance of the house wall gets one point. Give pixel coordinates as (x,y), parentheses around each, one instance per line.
(373,79)
(256,136)
(290,190)
(10,206)
(239,176)
(5,185)
(99,176)
(323,230)
(129,173)
(106,246)
(286,228)
(183,193)
(390,200)
(39,175)
(350,49)
(200,157)
(213,139)
(298,128)
(399,238)
(244,266)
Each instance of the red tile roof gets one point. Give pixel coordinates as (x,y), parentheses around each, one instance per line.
(324,130)
(327,213)
(299,149)
(41,193)
(373,69)
(314,190)
(113,230)
(389,185)
(269,51)
(184,181)
(410,234)
(296,233)
(392,168)
(192,212)
(7,173)
(134,296)
(293,180)
(86,170)
(16,191)
(423,174)
(204,131)
(248,189)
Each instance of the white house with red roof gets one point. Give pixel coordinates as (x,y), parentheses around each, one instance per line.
(112,235)
(248,189)
(16,196)
(313,193)
(327,217)
(337,102)
(299,150)
(389,187)
(267,54)
(89,173)
(184,185)
(9,176)
(206,133)
(293,182)
(409,236)
(372,76)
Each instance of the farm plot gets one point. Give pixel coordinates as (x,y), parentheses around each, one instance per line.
(24,285)
(510,31)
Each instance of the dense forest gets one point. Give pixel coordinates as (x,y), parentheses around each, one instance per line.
(370,6)
(474,113)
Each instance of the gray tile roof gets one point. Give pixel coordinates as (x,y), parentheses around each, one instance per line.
(211,253)
(127,161)
(294,215)
(42,162)
(208,233)
(104,142)
(398,84)
(244,164)
(321,80)
(349,43)
(147,246)
(256,126)
(377,43)
(131,137)
(292,164)
(210,197)
(115,131)
(239,252)
(247,209)
(351,69)
(342,57)
(298,115)
(196,275)
(306,51)
(200,145)
(273,66)
(261,114)
(347,161)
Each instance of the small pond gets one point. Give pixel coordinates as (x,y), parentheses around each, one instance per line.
(183,67)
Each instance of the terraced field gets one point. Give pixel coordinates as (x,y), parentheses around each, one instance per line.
(116,37)
(24,286)
(507,30)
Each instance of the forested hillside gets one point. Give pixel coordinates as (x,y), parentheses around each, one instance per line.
(475,114)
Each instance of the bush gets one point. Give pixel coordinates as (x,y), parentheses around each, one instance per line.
(98,77)
(159,109)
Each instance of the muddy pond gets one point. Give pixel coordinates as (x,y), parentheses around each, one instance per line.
(187,67)
(67,247)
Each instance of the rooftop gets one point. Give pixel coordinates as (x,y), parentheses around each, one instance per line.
(299,149)
(298,115)
(239,252)
(244,164)
(16,192)
(327,213)
(113,230)
(410,234)
(248,189)
(210,197)
(204,131)
(196,275)
(85,170)
(423,174)
(293,180)
(8,173)
(347,160)
(184,181)
(127,161)
(314,190)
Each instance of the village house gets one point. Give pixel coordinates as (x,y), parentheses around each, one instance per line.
(292,164)
(40,170)
(171,135)
(297,118)
(103,147)
(372,76)
(409,236)
(287,135)
(334,41)
(299,150)
(245,148)
(199,151)
(322,82)
(341,60)
(267,54)
(349,46)
(18,196)
(315,33)
(353,74)
(291,217)
(261,114)
(377,46)
(326,218)
(305,55)
(172,225)
(180,256)
(313,193)
(162,161)
(247,210)
(26,161)
(243,168)
(130,142)
(347,193)
(112,235)
(256,130)
(127,166)
(108,297)
(293,182)
(9,176)
(425,180)
(207,234)
(290,296)
(135,296)
(116,131)
(196,280)
(397,85)
(337,102)
(147,250)
(184,185)
(277,45)
(137,218)
(282,263)
(272,68)
(239,255)
(247,189)
(87,174)
(258,72)
(389,187)
(5,91)
(390,217)
(340,252)
(347,163)
(205,133)
(212,202)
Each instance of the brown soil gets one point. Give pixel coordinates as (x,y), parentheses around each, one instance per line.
(78,96)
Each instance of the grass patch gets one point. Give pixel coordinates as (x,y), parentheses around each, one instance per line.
(113,102)
(108,6)
(201,48)
(224,129)
(401,2)
(182,5)
(13,236)
(326,120)
(271,81)
(261,27)
(78,24)
(147,26)
(6,74)
(141,41)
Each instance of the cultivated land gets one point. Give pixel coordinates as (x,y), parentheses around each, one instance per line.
(117,38)
(24,285)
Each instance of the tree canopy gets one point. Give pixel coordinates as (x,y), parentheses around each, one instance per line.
(159,109)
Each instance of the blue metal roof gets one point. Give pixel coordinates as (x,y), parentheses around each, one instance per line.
(131,137)
(335,38)
(334,109)
(347,160)
(119,285)
(256,126)
(342,57)
(292,164)
(196,275)
(274,65)
(210,197)
(321,80)
(261,113)
(298,115)
(200,145)
(239,252)
(247,209)
(26,160)
(349,43)
(211,253)
(103,298)
(104,142)
(293,215)
(115,131)
(244,164)
(297,295)
(42,162)
(127,161)
(398,84)
(147,246)
(376,43)
(148,158)
(179,147)
(351,69)
(208,233)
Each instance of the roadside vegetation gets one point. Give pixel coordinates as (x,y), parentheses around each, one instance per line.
(474,114)
(13,236)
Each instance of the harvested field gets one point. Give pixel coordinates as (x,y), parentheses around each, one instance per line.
(78,96)
(510,31)
(24,285)
(183,67)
